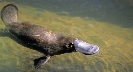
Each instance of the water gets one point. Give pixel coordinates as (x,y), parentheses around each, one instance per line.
(107,24)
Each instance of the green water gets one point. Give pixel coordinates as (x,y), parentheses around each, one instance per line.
(109,28)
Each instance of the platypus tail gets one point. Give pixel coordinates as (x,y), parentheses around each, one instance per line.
(9,14)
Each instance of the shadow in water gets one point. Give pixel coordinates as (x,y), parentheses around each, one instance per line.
(104,11)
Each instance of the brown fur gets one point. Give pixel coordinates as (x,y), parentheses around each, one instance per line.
(35,36)
(40,37)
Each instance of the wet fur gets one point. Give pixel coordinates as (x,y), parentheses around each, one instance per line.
(37,36)
(34,35)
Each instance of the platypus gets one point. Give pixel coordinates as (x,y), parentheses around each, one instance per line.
(37,36)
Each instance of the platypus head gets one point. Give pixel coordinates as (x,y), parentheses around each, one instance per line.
(85,48)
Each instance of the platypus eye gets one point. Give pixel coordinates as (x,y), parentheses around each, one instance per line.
(70,45)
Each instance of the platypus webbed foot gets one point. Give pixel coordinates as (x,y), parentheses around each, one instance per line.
(41,61)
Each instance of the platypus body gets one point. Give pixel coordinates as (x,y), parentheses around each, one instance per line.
(41,38)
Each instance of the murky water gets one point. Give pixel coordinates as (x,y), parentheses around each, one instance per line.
(107,24)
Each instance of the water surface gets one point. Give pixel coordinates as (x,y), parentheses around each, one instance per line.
(106,24)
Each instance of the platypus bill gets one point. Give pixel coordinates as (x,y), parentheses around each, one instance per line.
(42,39)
